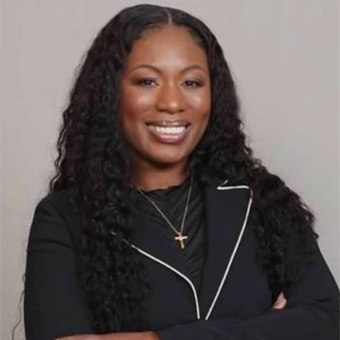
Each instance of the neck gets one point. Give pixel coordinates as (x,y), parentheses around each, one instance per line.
(147,178)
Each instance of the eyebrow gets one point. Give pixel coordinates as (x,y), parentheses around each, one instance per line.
(154,68)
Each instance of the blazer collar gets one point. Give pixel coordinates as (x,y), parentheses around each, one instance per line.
(227,210)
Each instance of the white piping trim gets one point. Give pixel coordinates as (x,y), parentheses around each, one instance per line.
(235,248)
(225,182)
(198,313)
(234,187)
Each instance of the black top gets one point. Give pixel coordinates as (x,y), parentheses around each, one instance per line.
(172,202)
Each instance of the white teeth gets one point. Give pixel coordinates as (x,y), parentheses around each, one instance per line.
(168,130)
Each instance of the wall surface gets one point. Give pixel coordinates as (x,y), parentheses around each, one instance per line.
(284,56)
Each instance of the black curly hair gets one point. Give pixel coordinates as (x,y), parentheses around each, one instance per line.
(93,160)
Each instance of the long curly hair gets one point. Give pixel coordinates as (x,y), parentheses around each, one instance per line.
(93,160)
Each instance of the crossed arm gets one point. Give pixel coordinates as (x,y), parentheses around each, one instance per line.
(279,304)
(309,311)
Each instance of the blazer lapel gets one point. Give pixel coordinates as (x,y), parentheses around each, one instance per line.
(153,243)
(227,210)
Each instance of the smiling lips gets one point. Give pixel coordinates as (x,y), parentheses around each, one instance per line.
(169,132)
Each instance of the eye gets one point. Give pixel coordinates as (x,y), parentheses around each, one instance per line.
(193,83)
(147,82)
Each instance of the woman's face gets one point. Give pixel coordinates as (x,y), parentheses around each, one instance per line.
(165,97)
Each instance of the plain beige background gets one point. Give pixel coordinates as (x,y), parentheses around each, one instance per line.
(285,58)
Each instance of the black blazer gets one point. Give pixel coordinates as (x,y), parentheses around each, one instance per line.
(234,302)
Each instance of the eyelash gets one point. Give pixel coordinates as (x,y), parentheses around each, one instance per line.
(143,81)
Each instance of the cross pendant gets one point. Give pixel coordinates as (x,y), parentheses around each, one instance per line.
(180,238)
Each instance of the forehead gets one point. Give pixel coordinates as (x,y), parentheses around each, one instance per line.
(166,47)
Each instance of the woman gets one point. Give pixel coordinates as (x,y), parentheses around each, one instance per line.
(160,223)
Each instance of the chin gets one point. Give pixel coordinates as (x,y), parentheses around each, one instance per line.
(165,160)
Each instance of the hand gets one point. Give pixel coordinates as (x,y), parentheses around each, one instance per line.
(114,336)
(80,337)
(135,336)
(280,302)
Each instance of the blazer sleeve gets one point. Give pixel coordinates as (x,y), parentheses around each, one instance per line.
(54,304)
(311,313)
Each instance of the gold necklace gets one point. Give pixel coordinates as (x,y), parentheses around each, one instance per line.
(180,237)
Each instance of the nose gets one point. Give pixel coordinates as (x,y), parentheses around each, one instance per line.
(170,99)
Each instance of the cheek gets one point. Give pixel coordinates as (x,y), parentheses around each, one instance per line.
(134,106)
(201,104)
(135,102)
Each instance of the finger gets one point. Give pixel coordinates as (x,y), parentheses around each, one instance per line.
(280,302)
(280,305)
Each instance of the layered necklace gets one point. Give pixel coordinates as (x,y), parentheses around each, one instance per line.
(180,237)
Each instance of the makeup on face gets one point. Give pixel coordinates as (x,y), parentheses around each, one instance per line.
(165,96)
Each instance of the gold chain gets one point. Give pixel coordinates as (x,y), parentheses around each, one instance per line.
(180,236)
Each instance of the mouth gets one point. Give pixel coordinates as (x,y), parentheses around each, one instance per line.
(169,132)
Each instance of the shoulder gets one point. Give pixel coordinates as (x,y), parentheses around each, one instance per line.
(56,217)
(59,201)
